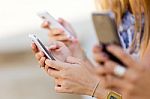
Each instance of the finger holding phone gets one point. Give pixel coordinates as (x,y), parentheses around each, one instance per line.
(107,33)
(57,50)
(134,81)
(62,31)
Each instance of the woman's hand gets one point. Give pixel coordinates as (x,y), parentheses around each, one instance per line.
(99,56)
(135,82)
(58,50)
(73,77)
(60,35)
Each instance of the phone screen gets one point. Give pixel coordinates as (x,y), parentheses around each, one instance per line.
(41,46)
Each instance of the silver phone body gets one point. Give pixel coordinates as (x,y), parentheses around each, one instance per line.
(41,46)
(45,16)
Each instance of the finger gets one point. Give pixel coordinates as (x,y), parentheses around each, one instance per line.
(58,65)
(73,60)
(100,57)
(42,61)
(46,25)
(53,73)
(46,68)
(34,48)
(113,81)
(59,89)
(129,75)
(61,38)
(100,70)
(97,48)
(58,82)
(39,55)
(56,45)
(56,31)
(53,47)
(124,57)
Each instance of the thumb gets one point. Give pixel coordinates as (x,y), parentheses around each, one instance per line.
(73,60)
(67,26)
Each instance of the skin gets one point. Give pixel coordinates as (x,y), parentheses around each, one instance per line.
(83,66)
(134,84)
(68,73)
(59,35)
(60,51)
(72,44)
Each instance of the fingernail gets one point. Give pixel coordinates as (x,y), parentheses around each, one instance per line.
(53,46)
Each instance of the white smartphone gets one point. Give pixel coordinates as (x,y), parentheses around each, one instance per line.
(41,46)
(47,17)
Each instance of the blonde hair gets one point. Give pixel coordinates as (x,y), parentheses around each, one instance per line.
(146,36)
(119,7)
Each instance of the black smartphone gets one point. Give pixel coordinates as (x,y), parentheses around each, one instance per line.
(107,32)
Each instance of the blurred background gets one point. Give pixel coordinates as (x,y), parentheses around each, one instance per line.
(20,75)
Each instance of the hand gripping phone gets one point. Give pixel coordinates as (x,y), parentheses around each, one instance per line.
(41,46)
(47,17)
(107,33)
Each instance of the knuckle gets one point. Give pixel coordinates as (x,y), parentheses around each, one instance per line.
(41,63)
(130,88)
(51,64)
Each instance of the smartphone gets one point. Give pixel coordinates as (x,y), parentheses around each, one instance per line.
(41,46)
(45,16)
(107,32)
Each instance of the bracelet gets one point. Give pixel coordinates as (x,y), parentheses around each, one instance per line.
(95,89)
(114,95)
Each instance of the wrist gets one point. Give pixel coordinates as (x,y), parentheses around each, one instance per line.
(92,85)
(100,92)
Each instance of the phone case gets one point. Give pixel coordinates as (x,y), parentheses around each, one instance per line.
(106,31)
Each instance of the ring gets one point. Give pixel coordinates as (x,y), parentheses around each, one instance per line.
(119,70)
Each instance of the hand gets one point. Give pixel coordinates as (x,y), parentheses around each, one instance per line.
(73,77)
(134,83)
(99,56)
(59,35)
(58,50)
